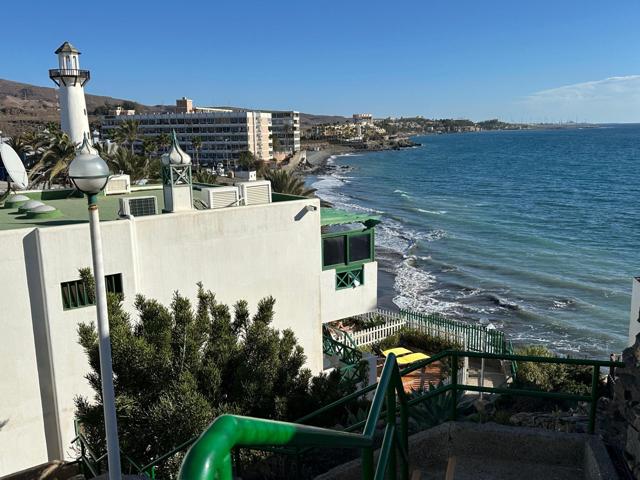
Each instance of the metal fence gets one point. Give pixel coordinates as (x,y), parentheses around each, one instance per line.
(473,337)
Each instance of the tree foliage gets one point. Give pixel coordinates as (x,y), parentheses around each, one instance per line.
(176,368)
(283,181)
(552,377)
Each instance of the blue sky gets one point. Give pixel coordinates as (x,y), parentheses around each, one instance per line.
(520,61)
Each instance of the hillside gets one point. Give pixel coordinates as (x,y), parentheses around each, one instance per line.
(24,106)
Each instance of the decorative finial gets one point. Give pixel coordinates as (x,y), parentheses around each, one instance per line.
(175,155)
(85,147)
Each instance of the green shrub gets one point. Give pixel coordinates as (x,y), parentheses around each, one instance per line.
(551,377)
(546,377)
(357,323)
(415,339)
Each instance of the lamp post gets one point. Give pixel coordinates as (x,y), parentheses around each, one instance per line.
(90,173)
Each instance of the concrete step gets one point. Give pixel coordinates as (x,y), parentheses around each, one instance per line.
(483,468)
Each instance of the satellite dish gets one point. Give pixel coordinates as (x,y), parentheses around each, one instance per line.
(14,166)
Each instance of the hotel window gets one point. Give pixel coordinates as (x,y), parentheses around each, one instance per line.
(75,293)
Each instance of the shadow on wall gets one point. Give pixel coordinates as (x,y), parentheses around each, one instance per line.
(41,337)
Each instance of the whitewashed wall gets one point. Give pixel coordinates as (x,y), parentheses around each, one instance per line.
(338,304)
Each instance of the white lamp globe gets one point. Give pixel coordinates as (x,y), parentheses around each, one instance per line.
(88,171)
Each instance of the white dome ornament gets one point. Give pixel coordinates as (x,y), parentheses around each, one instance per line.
(175,155)
(176,178)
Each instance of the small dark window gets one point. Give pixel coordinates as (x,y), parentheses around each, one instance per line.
(76,295)
(334,251)
(114,283)
(359,247)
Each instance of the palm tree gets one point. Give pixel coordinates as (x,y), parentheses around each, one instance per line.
(21,144)
(127,133)
(163,141)
(56,158)
(123,160)
(149,146)
(197,145)
(283,181)
(205,176)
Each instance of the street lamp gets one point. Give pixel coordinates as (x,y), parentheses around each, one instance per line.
(90,173)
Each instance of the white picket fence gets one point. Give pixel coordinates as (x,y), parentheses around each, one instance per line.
(393,323)
(470,336)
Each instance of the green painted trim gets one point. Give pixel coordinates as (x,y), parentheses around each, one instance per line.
(334,216)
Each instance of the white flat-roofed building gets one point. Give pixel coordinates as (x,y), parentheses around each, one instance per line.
(224,134)
(270,244)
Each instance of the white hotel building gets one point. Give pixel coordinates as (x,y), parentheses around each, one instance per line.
(224,133)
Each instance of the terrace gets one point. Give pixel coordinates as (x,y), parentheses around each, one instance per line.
(71,207)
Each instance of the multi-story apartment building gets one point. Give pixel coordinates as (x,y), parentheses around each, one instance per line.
(285,130)
(224,133)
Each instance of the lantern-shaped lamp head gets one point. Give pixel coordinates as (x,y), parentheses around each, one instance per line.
(88,171)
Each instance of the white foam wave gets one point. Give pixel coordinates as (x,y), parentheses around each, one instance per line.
(433,212)
(413,287)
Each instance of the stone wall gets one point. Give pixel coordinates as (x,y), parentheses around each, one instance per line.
(620,416)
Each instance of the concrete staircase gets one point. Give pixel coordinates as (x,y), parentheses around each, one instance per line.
(469,451)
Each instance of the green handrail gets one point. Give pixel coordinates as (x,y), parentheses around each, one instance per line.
(210,457)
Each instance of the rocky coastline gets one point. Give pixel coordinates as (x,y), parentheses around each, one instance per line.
(317,160)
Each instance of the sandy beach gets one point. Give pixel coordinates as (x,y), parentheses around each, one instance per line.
(318,158)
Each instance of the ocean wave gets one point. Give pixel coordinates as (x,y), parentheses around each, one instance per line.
(413,290)
(433,212)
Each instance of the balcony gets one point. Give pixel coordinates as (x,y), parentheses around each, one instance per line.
(69,77)
(349,279)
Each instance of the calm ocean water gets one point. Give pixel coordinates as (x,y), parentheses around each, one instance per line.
(535,232)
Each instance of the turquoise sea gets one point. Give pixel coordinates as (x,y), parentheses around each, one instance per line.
(536,232)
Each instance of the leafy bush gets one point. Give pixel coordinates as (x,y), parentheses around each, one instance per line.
(546,377)
(551,377)
(357,323)
(411,338)
(177,368)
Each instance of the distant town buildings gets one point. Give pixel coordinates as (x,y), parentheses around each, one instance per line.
(121,111)
(363,118)
(361,127)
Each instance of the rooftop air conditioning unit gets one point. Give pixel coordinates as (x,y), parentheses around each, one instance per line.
(255,193)
(138,206)
(220,197)
(118,184)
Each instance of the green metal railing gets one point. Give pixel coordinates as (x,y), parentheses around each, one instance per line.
(210,456)
(476,337)
(92,464)
(349,355)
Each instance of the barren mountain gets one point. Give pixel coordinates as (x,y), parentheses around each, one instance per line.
(24,106)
